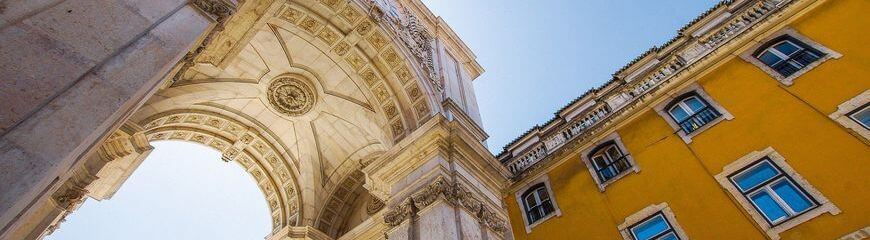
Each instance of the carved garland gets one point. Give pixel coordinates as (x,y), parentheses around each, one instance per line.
(455,195)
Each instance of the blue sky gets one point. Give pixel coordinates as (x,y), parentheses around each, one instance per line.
(538,56)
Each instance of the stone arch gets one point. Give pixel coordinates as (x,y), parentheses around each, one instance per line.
(344,199)
(274,171)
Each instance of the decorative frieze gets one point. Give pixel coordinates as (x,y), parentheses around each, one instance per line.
(453,194)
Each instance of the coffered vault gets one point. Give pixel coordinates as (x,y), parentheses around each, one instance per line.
(338,109)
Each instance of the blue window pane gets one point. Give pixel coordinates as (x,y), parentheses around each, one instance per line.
(787,48)
(863,117)
(768,206)
(755,175)
(669,236)
(769,58)
(679,114)
(695,104)
(787,191)
(650,228)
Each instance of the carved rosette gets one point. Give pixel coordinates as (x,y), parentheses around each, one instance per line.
(291,96)
(452,193)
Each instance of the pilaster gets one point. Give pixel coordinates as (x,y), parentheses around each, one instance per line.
(444,187)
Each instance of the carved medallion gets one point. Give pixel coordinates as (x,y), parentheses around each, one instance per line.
(291,96)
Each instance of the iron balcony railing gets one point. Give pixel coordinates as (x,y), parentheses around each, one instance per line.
(614,168)
(699,119)
(796,62)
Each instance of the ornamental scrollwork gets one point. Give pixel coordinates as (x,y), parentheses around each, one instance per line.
(453,194)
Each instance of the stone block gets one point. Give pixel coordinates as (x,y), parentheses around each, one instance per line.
(35,68)
(94,29)
(153,10)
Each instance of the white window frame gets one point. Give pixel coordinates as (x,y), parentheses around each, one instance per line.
(639,216)
(522,206)
(788,81)
(791,213)
(823,204)
(702,95)
(844,118)
(590,165)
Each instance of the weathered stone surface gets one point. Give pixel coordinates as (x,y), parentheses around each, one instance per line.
(43,146)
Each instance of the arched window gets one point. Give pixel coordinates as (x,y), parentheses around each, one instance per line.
(537,203)
(609,161)
(692,112)
(787,55)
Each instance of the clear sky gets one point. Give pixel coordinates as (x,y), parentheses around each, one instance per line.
(538,56)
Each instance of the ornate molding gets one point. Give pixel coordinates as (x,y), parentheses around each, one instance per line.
(453,194)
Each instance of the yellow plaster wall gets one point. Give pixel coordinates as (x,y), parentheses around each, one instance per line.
(791,119)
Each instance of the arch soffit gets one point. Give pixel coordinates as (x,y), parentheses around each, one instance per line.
(273,169)
(373,56)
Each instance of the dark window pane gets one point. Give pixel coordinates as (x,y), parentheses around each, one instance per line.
(542,194)
(769,58)
(787,191)
(548,207)
(787,48)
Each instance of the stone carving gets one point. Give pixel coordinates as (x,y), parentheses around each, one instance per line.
(69,198)
(291,96)
(220,11)
(452,193)
(419,41)
(374,206)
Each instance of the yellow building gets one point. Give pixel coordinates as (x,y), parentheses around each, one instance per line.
(752,123)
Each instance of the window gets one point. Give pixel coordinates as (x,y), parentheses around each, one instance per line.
(654,227)
(771,192)
(537,203)
(654,222)
(786,55)
(854,114)
(609,161)
(862,116)
(691,113)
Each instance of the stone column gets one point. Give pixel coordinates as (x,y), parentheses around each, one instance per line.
(446,187)
(73,71)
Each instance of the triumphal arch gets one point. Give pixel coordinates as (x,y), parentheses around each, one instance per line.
(356,118)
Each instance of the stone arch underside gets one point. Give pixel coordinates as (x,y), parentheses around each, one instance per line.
(369,88)
(253,148)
